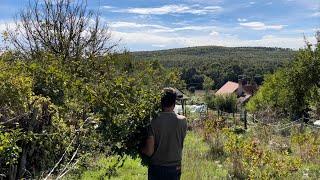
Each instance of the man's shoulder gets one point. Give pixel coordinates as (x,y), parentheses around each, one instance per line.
(182,119)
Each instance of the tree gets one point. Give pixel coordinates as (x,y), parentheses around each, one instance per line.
(208,83)
(292,89)
(66,102)
(64,28)
(220,63)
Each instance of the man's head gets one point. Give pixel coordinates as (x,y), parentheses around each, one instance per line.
(168,99)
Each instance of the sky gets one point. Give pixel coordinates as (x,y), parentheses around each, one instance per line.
(141,25)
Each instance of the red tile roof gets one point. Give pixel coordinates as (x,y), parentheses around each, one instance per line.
(228,88)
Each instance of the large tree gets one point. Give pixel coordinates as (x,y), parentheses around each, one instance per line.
(65,28)
(293,89)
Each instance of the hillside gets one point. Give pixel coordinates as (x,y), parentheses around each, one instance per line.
(220,63)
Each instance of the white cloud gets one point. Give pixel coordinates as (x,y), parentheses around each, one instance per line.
(194,28)
(171,9)
(316,14)
(158,45)
(121,24)
(108,7)
(252,3)
(157,36)
(146,39)
(4,25)
(159,28)
(242,19)
(261,26)
(214,33)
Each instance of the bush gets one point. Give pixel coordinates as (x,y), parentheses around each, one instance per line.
(226,103)
(294,89)
(72,111)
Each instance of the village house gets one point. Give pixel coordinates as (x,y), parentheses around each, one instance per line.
(243,90)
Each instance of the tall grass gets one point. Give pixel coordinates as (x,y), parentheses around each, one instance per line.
(259,153)
(196,163)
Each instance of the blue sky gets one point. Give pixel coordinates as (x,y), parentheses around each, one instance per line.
(163,24)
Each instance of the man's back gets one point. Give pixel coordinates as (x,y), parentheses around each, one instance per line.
(169,130)
(165,140)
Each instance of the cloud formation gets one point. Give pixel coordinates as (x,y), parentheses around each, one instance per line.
(124,24)
(171,9)
(255,25)
(316,14)
(172,41)
(159,28)
(242,19)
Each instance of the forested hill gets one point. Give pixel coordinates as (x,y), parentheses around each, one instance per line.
(220,63)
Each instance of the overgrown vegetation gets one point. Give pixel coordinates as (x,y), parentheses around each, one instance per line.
(68,97)
(101,107)
(294,89)
(264,151)
(57,109)
(213,150)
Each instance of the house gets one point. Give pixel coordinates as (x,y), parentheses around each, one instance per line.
(229,88)
(243,90)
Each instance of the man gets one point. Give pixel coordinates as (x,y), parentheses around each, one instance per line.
(165,140)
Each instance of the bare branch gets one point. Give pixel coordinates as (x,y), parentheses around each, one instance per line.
(63,28)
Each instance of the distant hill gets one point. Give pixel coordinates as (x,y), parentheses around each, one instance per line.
(220,63)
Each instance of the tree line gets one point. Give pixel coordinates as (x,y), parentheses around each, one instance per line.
(221,64)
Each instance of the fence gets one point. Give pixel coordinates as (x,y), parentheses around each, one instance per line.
(250,121)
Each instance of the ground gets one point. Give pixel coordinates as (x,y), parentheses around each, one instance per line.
(195,164)
(218,147)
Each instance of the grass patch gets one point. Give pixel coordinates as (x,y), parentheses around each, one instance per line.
(195,164)
(195,161)
(99,167)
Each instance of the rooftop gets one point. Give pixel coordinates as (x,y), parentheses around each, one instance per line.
(228,88)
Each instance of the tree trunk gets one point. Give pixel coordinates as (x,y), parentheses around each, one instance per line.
(23,162)
(12,174)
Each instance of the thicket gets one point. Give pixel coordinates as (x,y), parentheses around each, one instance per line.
(223,103)
(49,107)
(66,93)
(276,150)
(294,89)
(264,152)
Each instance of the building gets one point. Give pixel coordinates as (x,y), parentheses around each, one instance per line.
(243,90)
(229,88)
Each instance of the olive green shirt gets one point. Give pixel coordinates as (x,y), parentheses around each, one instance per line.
(169,131)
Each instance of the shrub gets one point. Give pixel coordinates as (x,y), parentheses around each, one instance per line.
(226,103)
(62,110)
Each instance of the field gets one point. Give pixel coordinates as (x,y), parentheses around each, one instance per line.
(213,151)
(196,164)
(217,148)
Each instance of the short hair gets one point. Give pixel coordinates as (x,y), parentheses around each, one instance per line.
(169,96)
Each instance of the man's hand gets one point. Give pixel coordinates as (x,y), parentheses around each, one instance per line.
(148,149)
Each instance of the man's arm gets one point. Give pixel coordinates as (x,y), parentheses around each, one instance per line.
(184,129)
(148,148)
